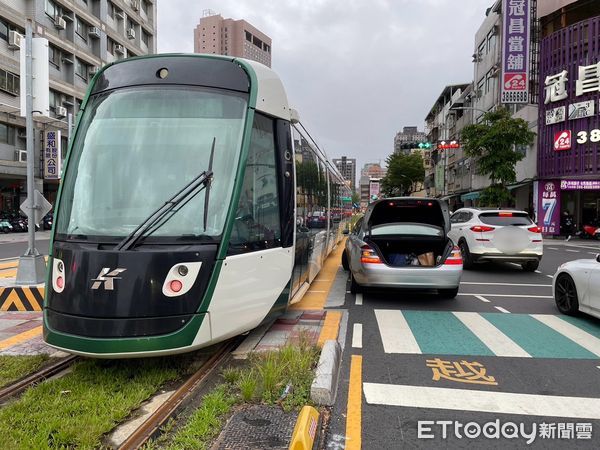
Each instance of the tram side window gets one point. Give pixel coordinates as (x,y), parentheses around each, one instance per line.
(257,223)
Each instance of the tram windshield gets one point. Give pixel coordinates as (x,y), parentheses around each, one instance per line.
(137,147)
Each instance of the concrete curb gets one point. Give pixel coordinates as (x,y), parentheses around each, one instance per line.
(324,386)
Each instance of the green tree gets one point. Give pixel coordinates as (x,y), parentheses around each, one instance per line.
(403,175)
(491,144)
(355,197)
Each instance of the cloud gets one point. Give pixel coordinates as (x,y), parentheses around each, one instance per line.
(357,71)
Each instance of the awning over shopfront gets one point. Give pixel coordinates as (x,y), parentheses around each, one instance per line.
(518,185)
(470,196)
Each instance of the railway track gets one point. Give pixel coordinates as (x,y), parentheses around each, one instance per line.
(158,418)
(41,375)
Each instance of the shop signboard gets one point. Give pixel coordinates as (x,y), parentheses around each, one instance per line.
(52,155)
(580,185)
(515,51)
(562,140)
(555,115)
(580,110)
(549,206)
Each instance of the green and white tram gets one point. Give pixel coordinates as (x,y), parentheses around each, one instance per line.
(193,207)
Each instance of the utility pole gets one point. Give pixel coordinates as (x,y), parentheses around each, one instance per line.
(32,266)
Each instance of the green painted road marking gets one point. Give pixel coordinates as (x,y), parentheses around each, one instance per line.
(588,324)
(441,333)
(537,339)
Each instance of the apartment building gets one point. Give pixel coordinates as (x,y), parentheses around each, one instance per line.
(83,35)
(231,37)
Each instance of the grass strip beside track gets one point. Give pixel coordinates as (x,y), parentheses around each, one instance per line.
(280,378)
(13,368)
(75,411)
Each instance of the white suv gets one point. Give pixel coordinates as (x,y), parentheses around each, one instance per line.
(497,235)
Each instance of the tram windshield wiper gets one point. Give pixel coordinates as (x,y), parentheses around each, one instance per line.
(159,217)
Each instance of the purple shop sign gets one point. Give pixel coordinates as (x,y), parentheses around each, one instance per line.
(549,207)
(515,51)
(580,185)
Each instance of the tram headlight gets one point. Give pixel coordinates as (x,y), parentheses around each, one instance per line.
(180,278)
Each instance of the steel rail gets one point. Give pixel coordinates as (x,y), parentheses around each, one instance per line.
(41,375)
(152,424)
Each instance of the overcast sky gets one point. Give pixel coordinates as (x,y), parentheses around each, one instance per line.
(357,71)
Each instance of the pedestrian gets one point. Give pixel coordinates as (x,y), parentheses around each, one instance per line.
(567,224)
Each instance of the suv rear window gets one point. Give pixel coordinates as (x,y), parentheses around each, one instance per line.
(505,218)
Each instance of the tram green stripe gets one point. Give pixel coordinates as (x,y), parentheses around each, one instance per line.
(536,338)
(441,333)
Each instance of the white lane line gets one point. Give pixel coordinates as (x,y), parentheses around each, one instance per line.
(550,276)
(491,336)
(481,401)
(537,271)
(577,335)
(572,251)
(482,298)
(357,335)
(501,309)
(348,292)
(395,332)
(506,295)
(505,284)
(359,299)
(552,248)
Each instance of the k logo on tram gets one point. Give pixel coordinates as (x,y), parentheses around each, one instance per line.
(108,278)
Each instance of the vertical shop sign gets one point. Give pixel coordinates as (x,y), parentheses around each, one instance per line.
(515,51)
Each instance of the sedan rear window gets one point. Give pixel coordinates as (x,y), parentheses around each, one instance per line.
(505,219)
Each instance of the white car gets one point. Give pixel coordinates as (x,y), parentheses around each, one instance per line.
(497,235)
(576,287)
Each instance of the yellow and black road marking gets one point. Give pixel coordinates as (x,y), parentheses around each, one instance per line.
(29,298)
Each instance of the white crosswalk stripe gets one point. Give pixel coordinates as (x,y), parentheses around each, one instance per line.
(395,332)
(493,338)
(481,401)
(576,334)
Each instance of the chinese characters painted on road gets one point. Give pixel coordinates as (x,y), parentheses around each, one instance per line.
(462,372)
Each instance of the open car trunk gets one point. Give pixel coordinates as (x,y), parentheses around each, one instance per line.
(400,251)
(409,232)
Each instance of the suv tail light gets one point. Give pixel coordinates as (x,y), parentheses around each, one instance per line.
(535,229)
(369,256)
(455,258)
(481,228)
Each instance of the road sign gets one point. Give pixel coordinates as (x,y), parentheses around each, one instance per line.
(44,206)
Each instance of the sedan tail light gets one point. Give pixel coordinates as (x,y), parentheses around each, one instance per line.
(535,229)
(481,228)
(455,258)
(369,256)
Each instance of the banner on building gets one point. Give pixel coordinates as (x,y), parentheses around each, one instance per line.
(515,51)
(52,155)
(548,216)
(580,185)
(374,190)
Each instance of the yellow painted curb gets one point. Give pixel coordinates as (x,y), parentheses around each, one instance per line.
(305,431)
(29,298)
(331,327)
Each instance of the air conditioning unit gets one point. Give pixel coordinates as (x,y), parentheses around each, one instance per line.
(94,32)
(93,70)
(21,155)
(14,40)
(135,5)
(61,111)
(66,60)
(119,49)
(60,23)
(495,69)
(131,33)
